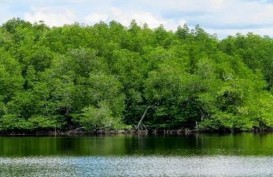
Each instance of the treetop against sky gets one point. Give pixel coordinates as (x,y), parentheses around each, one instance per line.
(223,17)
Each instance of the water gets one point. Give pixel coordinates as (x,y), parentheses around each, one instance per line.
(196,155)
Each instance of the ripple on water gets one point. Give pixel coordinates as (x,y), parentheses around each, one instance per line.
(137,166)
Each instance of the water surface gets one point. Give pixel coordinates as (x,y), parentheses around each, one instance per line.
(195,155)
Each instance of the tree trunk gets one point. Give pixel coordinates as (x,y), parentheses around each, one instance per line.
(142,117)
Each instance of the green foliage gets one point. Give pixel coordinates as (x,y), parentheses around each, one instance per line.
(106,75)
(100,117)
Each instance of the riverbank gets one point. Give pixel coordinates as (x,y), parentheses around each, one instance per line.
(101,132)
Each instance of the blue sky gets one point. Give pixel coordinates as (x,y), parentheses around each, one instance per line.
(223,17)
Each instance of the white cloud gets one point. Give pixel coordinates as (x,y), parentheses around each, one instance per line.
(51,16)
(95,18)
(239,14)
(125,17)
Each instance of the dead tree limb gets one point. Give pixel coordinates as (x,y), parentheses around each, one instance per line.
(142,117)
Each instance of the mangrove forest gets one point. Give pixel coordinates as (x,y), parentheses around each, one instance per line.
(111,77)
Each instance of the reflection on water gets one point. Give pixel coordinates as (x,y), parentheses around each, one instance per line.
(202,144)
(127,166)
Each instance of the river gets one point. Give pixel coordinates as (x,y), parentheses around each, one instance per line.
(243,154)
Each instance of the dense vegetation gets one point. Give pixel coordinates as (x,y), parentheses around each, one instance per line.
(108,76)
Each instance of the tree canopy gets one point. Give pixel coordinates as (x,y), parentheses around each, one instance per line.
(108,76)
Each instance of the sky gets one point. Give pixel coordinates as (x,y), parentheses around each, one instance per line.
(220,17)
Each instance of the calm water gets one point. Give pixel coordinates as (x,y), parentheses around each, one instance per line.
(196,155)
